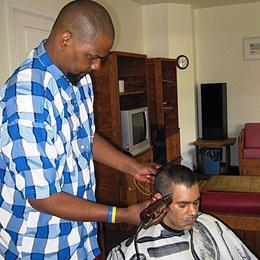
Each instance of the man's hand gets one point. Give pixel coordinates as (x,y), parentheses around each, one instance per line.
(145,172)
(133,213)
(158,218)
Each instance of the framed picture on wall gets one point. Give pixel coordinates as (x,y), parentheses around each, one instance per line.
(251,48)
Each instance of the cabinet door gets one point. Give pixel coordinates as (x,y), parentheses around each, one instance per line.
(173,147)
(109,189)
(142,195)
(163,104)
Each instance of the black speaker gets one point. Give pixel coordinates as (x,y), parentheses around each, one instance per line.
(214,111)
(159,144)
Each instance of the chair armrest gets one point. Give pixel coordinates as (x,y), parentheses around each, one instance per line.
(241,139)
(241,146)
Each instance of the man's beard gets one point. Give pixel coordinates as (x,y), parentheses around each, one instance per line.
(190,219)
(75,78)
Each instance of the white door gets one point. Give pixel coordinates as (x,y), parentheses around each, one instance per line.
(28,28)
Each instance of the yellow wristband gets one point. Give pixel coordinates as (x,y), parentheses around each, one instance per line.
(113,220)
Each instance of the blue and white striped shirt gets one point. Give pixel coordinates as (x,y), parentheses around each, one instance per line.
(47,130)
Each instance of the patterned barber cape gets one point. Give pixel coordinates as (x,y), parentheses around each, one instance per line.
(208,239)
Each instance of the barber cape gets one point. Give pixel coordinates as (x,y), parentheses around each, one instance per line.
(208,239)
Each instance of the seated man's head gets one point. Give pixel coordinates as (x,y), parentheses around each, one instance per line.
(183,184)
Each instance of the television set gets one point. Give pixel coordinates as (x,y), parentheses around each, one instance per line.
(135,130)
(214,111)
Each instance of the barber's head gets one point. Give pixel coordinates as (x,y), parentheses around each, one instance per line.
(182,182)
(82,35)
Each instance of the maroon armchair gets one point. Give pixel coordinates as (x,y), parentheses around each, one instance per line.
(249,149)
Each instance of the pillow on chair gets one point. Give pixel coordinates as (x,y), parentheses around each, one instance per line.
(252,135)
(231,202)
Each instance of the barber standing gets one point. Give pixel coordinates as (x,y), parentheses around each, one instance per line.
(48,144)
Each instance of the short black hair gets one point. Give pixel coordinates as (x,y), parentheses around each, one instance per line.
(173,173)
(84,18)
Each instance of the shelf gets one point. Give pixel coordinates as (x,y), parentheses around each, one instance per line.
(132,74)
(168,108)
(168,81)
(132,93)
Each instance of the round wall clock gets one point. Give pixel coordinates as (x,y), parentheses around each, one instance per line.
(182,62)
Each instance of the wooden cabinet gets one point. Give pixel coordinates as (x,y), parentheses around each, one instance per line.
(114,187)
(173,149)
(163,105)
(132,69)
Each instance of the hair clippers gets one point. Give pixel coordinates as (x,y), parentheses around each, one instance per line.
(155,208)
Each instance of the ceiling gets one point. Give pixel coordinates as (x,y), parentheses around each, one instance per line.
(197,3)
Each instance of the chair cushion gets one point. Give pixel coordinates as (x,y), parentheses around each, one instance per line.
(250,153)
(252,135)
(231,202)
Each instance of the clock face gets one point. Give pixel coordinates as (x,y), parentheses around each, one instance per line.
(182,62)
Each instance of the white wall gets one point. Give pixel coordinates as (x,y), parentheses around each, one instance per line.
(155,28)
(219,51)
(127,18)
(168,32)
(181,42)
(4,53)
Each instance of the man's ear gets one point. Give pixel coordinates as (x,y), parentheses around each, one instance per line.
(65,40)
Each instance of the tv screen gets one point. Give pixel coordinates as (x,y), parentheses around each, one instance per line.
(139,127)
(135,130)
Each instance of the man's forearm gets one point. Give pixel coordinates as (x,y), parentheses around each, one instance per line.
(106,154)
(73,208)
